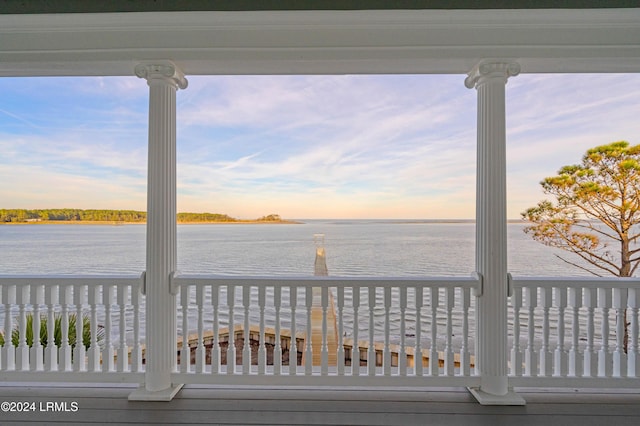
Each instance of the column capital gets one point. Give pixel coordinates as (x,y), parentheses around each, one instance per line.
(165,71)
(491,69)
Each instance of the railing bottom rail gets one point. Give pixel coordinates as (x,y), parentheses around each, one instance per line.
(319,380)
(60,377)
(575,382)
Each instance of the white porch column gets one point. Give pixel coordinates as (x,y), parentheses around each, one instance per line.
(490,78)
(164,78)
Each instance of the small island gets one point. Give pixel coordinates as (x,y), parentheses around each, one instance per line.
(80,216)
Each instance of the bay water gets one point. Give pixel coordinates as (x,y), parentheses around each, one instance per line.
(354,248)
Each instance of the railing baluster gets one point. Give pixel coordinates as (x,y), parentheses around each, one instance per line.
(185,350)
(308,355)
(590,363)
(516,351)
(293,346)
(262,349)
(94,349)
(19,301)
(4,335)
(79,352)
(4,306)
(123,348)
(216,361)
(246,351)
(605,366)
(386,353)
(355,350)
(36,355)
(402,353)
(434,361)
(231,348)
(371,354)
(465,356)
(66,292)
(531,358)
(546,300)
(107,352)
(417,356)
(136,353)
(340,291)
(51,351)
(8,350)
(324,362)
(560,354)
(633,358)
(619,355)
(277,349)
(575,360)
(22,351)
(448,350)
(51,326)
(201,353)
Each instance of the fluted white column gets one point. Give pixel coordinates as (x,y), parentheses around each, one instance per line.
(164,78)
(490,78)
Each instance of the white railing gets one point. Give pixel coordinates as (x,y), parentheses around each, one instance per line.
(321,330)
(104,310)
(571,332)
(384,331)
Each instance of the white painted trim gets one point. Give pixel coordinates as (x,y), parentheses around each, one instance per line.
(71,377)
(318,380)
(142,394)
(484,398)
(332,42)
(164,78)
(65,280)
(576,382)
(576,282)
(328,281)
(489,78)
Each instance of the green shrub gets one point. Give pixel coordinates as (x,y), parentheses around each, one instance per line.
(57,331)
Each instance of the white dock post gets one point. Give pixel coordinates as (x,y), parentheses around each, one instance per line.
(489,78)
(163,78)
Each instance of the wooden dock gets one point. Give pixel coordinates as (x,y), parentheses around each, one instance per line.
(317,329)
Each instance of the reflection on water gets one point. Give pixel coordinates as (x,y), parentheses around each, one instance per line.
(353,248)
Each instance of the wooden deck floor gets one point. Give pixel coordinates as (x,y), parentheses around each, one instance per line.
(98,404)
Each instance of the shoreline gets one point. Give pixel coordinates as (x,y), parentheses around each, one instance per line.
(112,223)
(249,222)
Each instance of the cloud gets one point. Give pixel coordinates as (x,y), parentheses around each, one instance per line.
(345,133)
(303,146)
(42,187)
(553,119)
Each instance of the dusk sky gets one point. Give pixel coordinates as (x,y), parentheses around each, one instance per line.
(301,146)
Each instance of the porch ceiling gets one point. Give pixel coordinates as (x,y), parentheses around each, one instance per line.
(83,6)
(321,42)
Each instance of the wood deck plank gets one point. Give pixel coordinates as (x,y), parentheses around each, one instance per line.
(286,406)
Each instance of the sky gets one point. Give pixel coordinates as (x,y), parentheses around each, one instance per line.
(333,146)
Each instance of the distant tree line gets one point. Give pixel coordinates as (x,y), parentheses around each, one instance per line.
(24,215)
(79,215)
(270,218)
(205,217)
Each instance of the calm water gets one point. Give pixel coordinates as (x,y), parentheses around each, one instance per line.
(354,248)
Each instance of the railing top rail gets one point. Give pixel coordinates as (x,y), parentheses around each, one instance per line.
(332,281)
(22,280)
(573,282)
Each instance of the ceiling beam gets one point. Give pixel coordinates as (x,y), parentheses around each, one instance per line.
(113,6)
(321,42)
